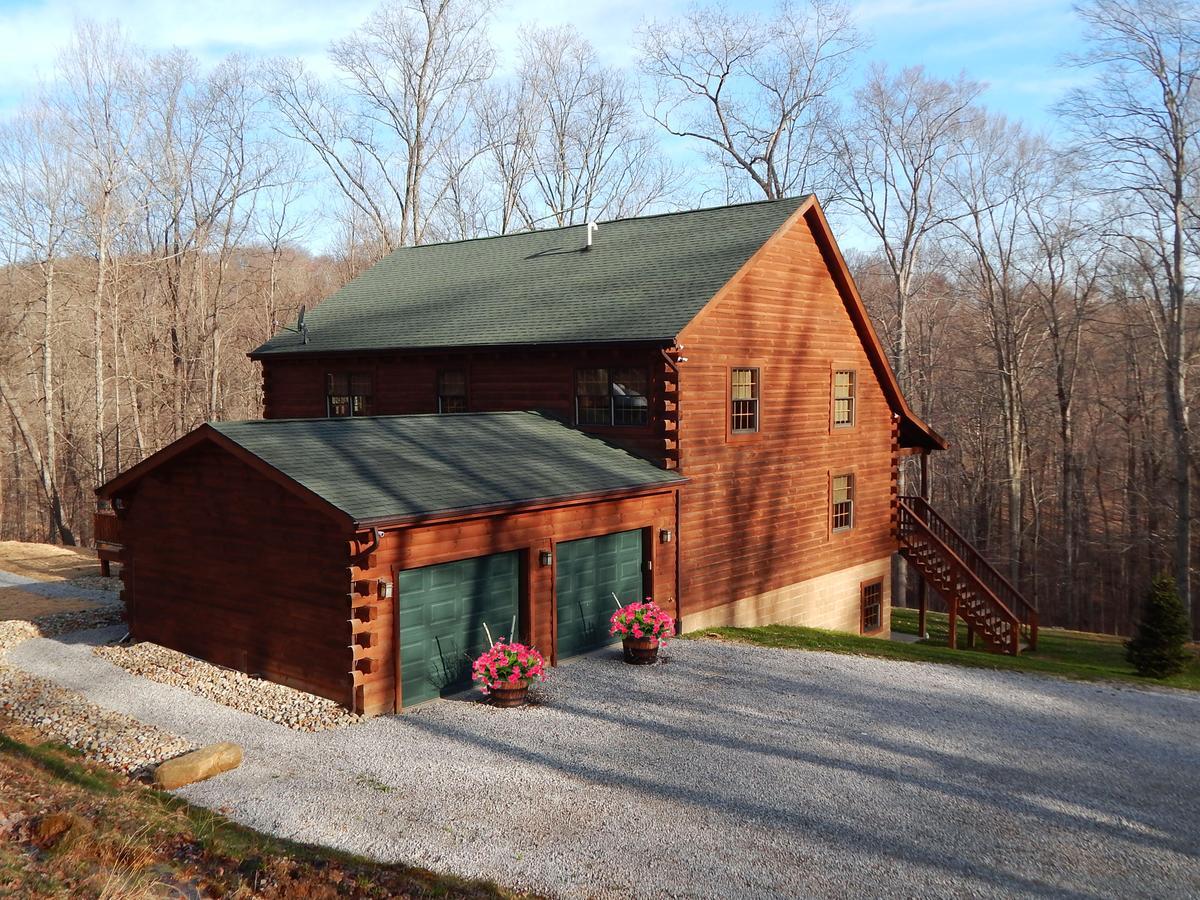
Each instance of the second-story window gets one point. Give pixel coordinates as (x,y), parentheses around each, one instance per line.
(611,397)
(452,391)
(743,400)
(844,388)
(843,502)
(348,394)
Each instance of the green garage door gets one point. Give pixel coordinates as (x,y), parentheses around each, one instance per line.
(442,613)
(590,571)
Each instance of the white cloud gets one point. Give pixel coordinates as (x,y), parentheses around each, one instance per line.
(32,35)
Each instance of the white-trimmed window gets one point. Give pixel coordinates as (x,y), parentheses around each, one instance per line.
(743,400)
(842,492)
(845,386)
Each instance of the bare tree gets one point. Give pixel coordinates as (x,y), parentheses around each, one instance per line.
(995,179)
(37,211)
(1139,121)
(895,156)
(407,78)
(755,94)
(1063,269)
(99,104)
(589,154)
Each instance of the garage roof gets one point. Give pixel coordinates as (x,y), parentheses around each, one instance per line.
(392,468)
(643,279)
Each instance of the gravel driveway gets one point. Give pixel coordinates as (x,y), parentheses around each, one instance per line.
(729,772)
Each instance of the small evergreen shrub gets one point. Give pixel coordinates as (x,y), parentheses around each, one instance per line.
(1157,647)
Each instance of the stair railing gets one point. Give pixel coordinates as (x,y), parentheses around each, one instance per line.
(1000,587)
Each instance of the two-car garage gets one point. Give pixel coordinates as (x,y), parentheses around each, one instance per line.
(448,610)
(367,559)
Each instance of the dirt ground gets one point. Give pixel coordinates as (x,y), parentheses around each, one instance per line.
(66,579)
(47,562)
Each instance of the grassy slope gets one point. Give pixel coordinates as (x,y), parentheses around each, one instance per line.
(124,839)
(1069,654)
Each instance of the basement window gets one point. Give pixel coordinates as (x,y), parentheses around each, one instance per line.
(452,391)
(347,394)
(843,502)
(743,400)
(844,388)
(611,396)
(872,606)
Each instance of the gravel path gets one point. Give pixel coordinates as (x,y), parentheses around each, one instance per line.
(275,702)
(94,588)
(729,771)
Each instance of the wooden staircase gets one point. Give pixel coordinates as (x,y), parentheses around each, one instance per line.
(993,609)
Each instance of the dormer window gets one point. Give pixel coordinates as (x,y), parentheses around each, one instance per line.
(611,397)
(348,394)
(452,391)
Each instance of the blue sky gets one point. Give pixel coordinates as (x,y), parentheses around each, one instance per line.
(1014,45)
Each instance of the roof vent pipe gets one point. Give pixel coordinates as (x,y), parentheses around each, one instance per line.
(589,230)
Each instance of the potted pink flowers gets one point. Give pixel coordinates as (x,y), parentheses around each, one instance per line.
(505,671)
(643,628)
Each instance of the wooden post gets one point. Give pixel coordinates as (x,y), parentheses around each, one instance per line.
(952,638)
(923,587)
(922,601)
(970,636)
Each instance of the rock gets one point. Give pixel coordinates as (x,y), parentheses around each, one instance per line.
(198,765)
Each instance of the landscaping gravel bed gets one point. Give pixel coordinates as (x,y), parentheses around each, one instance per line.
(730,771)
(113,739)
(274,702)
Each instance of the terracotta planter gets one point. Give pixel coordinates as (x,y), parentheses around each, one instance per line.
(641,651)
(506,695)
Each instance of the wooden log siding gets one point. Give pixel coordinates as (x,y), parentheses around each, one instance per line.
(529,532)
(755,515)
(497,380)
(227,565)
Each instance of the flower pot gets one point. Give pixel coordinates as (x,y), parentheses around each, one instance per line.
(641,651)
(507,695)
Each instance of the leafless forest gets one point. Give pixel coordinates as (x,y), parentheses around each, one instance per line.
(1035,290)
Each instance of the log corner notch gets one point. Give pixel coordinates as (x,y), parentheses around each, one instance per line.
(364,598)
(669,415)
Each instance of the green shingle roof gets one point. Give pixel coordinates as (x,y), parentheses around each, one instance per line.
(643,280)
(398,467)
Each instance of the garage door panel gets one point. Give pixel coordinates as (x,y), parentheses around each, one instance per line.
(443,610)
(589,572)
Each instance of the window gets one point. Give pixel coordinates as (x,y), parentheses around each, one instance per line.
(611,397)
(843,398)
(843,502)
(872,606)
(348,394)
(743,401)
(452,391)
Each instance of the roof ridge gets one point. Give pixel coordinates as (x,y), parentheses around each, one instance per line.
(659,215)
(217,423)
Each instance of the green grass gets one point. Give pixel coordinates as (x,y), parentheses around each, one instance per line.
(1068,654)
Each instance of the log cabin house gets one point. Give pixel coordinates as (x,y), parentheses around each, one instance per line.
(509,431)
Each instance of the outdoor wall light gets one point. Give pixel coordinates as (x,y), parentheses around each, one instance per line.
(385,589)
(665,535)
(546,558)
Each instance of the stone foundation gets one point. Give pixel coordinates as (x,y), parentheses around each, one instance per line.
(830,601)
